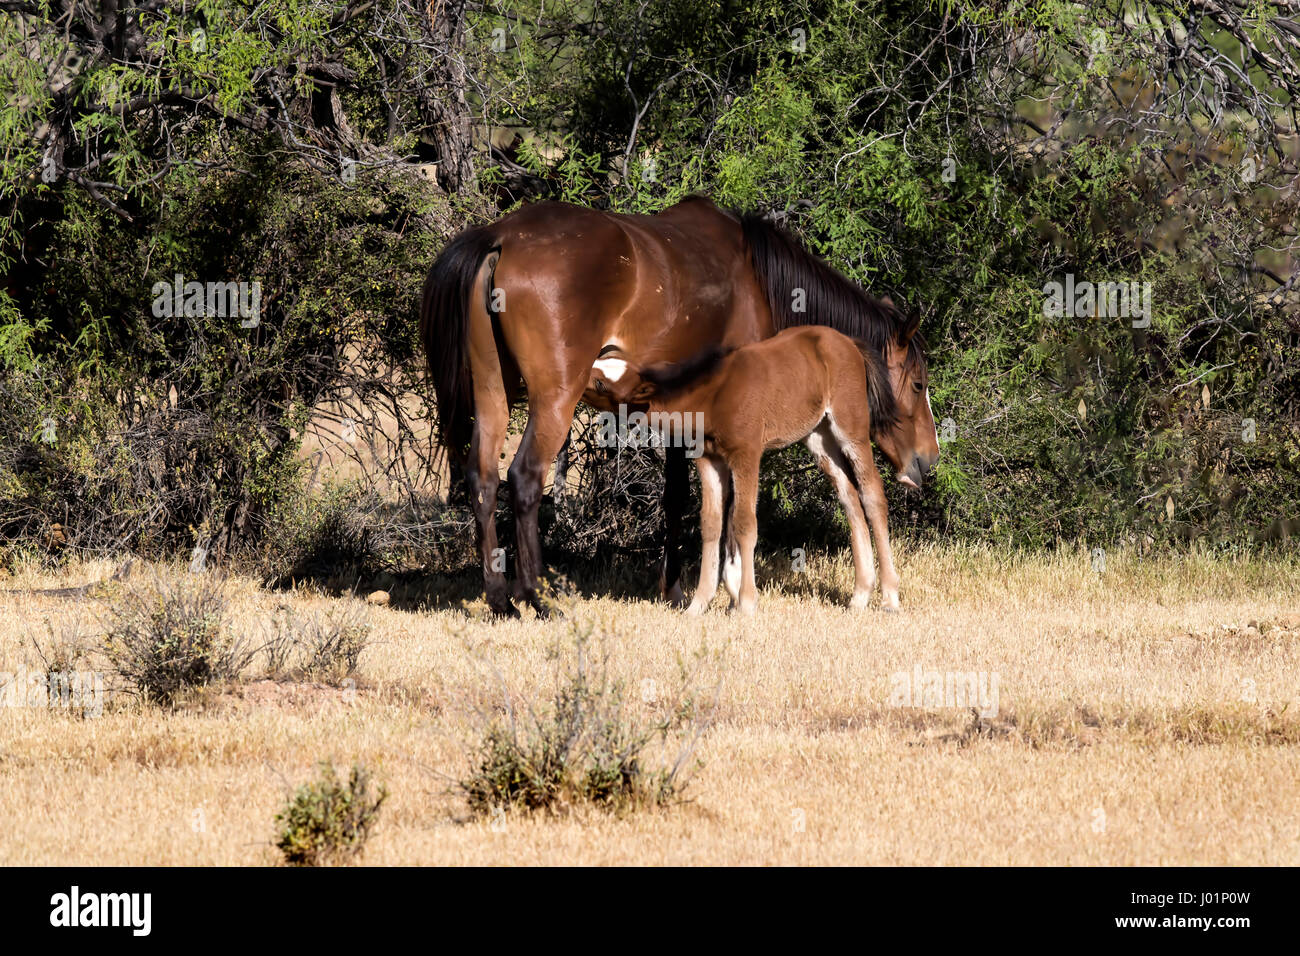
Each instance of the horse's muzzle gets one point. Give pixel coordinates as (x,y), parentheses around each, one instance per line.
(914,475)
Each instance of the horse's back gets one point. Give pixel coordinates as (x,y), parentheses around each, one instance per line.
(659,287)
(551,220)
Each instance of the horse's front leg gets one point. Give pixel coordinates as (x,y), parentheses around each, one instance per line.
(677,488)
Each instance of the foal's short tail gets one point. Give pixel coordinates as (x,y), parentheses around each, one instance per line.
(444,330)
(667,378)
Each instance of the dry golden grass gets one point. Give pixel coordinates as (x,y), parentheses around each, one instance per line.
(1132,727)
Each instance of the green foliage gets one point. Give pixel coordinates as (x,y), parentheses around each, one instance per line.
(122,172)
(327,821)
(173,432)
(324,538)
(873,145)
(957,156)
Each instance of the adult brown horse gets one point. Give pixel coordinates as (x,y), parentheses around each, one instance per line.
(529,303)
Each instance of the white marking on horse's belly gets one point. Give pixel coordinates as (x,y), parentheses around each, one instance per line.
(611,368)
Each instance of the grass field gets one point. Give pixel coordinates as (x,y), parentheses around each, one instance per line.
(1146,714)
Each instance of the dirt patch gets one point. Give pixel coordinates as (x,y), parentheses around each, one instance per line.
(1076,727)
(298,697)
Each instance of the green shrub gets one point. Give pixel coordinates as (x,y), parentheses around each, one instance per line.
(327,821)
(333,643)
(322,647)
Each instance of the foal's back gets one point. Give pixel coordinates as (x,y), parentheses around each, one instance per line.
(783,387)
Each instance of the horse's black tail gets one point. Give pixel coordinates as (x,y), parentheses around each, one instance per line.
(444,331)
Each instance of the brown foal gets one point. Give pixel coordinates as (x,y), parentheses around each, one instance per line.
(809,384)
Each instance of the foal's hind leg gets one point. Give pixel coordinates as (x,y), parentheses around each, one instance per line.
(550,414)
(825,449)
(742,536)
(713,474)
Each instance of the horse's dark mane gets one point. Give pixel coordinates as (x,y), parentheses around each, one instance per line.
(783,265)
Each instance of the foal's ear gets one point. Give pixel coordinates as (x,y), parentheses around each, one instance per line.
(643,392)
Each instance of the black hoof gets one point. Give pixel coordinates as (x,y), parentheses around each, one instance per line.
(546,609)
(503,608)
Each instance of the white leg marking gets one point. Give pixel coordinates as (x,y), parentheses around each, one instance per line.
(731,574)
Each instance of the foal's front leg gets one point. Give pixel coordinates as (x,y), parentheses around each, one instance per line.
(713,475)
(826,450)
(872,489)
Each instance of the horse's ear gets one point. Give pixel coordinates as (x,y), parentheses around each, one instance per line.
(909,329)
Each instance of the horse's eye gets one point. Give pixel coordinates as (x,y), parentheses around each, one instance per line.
(918,387)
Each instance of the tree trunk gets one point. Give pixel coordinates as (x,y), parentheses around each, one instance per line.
(443,103)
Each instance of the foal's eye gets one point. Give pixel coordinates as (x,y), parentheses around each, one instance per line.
(917,387)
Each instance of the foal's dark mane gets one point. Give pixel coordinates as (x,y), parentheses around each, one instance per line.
(880,396)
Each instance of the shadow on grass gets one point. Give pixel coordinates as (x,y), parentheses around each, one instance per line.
(621,577)
(426,560)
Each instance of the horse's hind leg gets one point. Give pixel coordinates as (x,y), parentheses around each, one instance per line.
(677,490)
(826,451)
(491,417)
(713,475)
(550,414)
